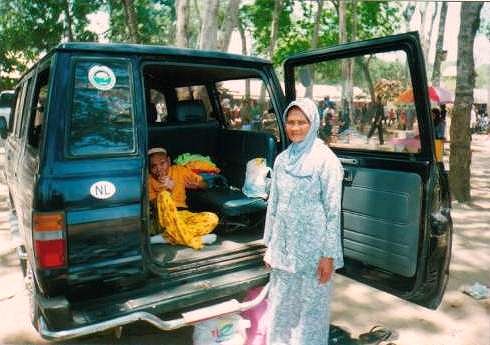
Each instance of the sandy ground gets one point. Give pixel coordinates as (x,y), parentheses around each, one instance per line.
(459,320)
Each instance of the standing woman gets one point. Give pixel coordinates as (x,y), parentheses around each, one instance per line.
(302,232)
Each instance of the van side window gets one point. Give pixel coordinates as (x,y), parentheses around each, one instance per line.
(246,106)
(374,112)
(36,121)
(19,106)
(102,114)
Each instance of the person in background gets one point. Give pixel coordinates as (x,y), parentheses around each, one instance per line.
(439,125)
(377,122)
(302,232)
(472,119)
(167,194)
(442,130)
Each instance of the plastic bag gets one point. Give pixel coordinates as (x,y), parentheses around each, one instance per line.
(256,334)
(225,330)
(257,183)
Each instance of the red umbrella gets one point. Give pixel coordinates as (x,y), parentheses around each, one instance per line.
(440,95)
(437,94)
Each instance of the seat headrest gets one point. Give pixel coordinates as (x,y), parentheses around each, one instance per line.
(190,111)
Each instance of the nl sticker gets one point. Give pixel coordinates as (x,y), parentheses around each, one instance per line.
(101,77)
(102,190)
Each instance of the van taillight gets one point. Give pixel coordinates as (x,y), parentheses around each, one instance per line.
(49,239)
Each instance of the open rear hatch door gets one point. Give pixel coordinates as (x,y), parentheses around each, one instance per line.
(375,110)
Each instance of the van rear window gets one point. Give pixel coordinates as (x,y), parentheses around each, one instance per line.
(101,116)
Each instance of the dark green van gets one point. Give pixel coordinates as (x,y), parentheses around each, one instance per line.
(77,170)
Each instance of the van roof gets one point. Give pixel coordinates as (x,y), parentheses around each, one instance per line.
(155,50)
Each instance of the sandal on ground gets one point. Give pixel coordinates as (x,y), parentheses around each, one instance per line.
(376,335)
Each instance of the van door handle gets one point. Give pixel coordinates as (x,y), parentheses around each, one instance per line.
(348,176)
(349,161)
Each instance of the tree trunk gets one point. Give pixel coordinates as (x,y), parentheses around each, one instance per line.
(275,27)
(274,33)
(440,52)
(209,30)
(69,21)
(230,23)
(181,10)
(131,21)
(423,25)
(197,14)
(429,34)
(460,153)
(364,64)
(346,97)
(408,14)
(244,52)
(314,45)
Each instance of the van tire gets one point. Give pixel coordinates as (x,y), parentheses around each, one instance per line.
(32,292)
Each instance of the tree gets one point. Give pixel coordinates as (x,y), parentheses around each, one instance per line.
(273,39)
(181,39)
(347,92)
(131,20)
(314,45)
(440,52)
(428,37)
(29,28)
(275,27)
(460,149)
(423,24)
(209,31)
(230,22)
(408,14)
(155,18)
(258,18)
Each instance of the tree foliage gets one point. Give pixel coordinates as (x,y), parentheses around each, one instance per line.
(375,19)
(29,28)
(155,21)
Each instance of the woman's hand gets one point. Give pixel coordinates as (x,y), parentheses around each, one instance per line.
(325,270)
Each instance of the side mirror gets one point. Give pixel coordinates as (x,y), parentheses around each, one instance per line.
(3,127)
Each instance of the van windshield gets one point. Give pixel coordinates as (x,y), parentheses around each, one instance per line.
(101,115)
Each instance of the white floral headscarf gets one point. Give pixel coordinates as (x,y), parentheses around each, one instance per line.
(298,163)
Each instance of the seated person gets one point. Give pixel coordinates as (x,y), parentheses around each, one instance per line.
(166,191)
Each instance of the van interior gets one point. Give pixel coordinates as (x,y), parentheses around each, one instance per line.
(219,112)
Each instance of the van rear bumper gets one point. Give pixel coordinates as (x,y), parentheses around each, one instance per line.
(233,283)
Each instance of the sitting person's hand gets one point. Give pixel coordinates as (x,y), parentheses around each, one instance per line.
(167,182)
(197,185)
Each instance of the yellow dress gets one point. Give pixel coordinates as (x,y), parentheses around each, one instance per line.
(183,227)
(180,226)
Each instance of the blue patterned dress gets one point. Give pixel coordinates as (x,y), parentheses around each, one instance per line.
(302,225)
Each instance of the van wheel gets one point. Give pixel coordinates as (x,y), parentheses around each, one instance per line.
(32,292)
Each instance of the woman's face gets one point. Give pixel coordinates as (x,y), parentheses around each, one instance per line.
(297,125)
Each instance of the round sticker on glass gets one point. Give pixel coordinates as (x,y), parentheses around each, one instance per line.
(101,77)
(102,190)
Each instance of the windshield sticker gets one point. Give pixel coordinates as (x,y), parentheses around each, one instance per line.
(102,190)
(101,77)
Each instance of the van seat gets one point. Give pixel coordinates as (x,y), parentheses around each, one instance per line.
(188,131)
(236,148)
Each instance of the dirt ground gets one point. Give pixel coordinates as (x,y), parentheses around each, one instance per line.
(459,320)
